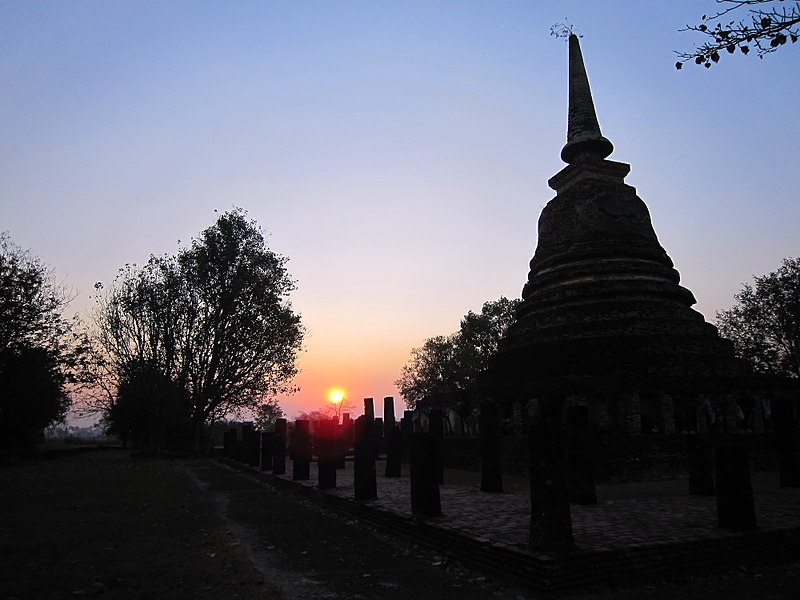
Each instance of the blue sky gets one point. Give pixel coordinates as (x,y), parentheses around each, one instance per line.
(397,152)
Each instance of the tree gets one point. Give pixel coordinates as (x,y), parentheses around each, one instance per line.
(452,365)
(314,415)
(766,28)
(40,351)
(266,413)
(201,334)
(764,325)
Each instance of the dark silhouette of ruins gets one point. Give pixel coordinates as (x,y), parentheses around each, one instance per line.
(605,322)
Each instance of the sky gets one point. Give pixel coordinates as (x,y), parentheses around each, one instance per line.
(396,152)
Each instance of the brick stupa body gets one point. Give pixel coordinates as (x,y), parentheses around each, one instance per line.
(604,319)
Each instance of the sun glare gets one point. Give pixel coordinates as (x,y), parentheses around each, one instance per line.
(336,395)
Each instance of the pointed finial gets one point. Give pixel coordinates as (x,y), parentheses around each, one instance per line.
(584,140)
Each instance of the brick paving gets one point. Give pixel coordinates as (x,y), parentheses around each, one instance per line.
(626,517)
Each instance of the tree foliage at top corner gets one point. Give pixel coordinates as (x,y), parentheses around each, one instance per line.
(40,351)
(764,325)
(452,365)
(769,25)
(191,337)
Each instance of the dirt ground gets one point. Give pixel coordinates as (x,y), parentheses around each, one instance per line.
(109,525)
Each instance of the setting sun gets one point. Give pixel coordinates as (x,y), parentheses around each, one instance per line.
(336,395)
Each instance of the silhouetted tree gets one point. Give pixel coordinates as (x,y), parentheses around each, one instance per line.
(208,331)
(452,365)
(266,413)
(40,351)
(769,25)
(764,325)
(313,415)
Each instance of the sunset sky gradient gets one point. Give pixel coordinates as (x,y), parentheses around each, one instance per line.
(396,152)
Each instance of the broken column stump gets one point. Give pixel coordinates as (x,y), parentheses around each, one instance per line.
(364,474)
(347,432)
(369,409)
(735,508)
(491,467)
(407,428)
(436,431)
(301,451)
(326,454)
(425,499)
(339,448)
(388,418)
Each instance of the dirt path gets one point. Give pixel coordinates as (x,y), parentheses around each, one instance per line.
(310,552)
(104,524)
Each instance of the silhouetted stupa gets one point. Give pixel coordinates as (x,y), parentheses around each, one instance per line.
(604,320)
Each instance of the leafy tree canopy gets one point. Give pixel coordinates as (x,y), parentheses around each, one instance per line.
(764,325)
(266,413)
(769,25)
(452,365)
(41,352)
(195,336)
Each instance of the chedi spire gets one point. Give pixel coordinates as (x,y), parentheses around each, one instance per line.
(584,140)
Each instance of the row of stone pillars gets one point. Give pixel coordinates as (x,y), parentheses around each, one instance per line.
(367,436)
(561,469)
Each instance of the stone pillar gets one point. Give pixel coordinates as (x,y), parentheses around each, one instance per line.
(436,431)
(580,466)
(327,455)
(394,452)
(341,448)
(388,417)
(301,451)
(364,475)
(267,442)
(785,427)
(491,467)
(407,428)
(701,478)
(551,520)
(369,409)
(425,499)
(279,450)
